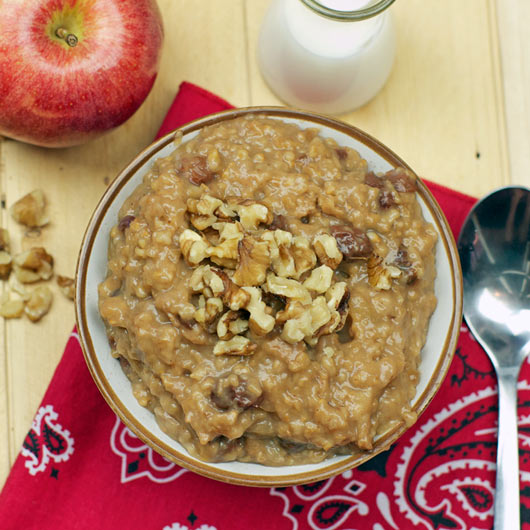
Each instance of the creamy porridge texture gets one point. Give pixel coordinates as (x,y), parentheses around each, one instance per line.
(268,295)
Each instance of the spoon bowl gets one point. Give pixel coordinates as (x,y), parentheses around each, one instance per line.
(494,248)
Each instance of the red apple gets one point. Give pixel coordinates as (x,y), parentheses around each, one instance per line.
(72,69)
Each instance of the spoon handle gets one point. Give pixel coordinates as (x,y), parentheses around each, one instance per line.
(507,501)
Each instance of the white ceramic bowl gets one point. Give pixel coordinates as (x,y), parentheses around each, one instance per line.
(114,385)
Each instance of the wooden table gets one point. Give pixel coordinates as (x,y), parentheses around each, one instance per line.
(456,108)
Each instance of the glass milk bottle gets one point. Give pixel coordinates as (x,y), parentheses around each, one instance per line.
(329,56)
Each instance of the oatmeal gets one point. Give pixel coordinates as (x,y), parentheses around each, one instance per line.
(268,295)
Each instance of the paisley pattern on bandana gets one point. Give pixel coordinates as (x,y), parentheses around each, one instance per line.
(46,441)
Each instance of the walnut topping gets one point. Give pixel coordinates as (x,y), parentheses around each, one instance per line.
(380,274)
(230,324)
(29,210)
(237,345)
(193,247)
(253,262)
(252,213)
(39,303)
(290,256)
(259,322)
(202,211)
(319,280)
(259,264)
(287,288)
(327,250)
(293,309)
(308,323)
(208,310)
(33,265)
(304,258)
(233,296)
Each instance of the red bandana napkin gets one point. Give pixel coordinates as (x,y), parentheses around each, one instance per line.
(81,468)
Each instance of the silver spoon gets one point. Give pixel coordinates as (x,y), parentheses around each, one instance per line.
(494,248)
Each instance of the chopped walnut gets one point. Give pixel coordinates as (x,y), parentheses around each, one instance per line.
(304,258)
(320,279)
(197,278)
(16,287)
(233,296)
(293,309)
(287,288)
(39,303)
(6,262)
(230,324)
(336,294)
(308,323)
(193,247)
(296,329)
(282,261)
(380,274)
(226,253)
(4,239)
(67,286)
(290,256)
(33,265)
(260,322)
(12,308)
(254,261)
(208,310)
(202,211)
(29,210)
(238,345)
(327,250)
(332,325)
(252,214)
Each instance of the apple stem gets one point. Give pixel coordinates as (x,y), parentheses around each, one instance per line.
(69,38)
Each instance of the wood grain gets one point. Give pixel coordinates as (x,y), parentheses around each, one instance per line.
(442,111)
(513,20)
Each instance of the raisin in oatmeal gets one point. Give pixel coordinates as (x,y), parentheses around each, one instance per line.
(268,295)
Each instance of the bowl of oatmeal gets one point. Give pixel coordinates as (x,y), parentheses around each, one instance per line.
(268,297)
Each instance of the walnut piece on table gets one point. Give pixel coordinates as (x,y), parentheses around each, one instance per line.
(12,308)
(66,286)
(30,210)
(33,265)
(39,303)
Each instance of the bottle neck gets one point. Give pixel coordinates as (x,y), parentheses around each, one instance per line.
(328,37)
(348,10)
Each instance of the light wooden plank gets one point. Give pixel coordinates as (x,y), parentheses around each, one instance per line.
(513,19)
(440,108)
(197,48)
